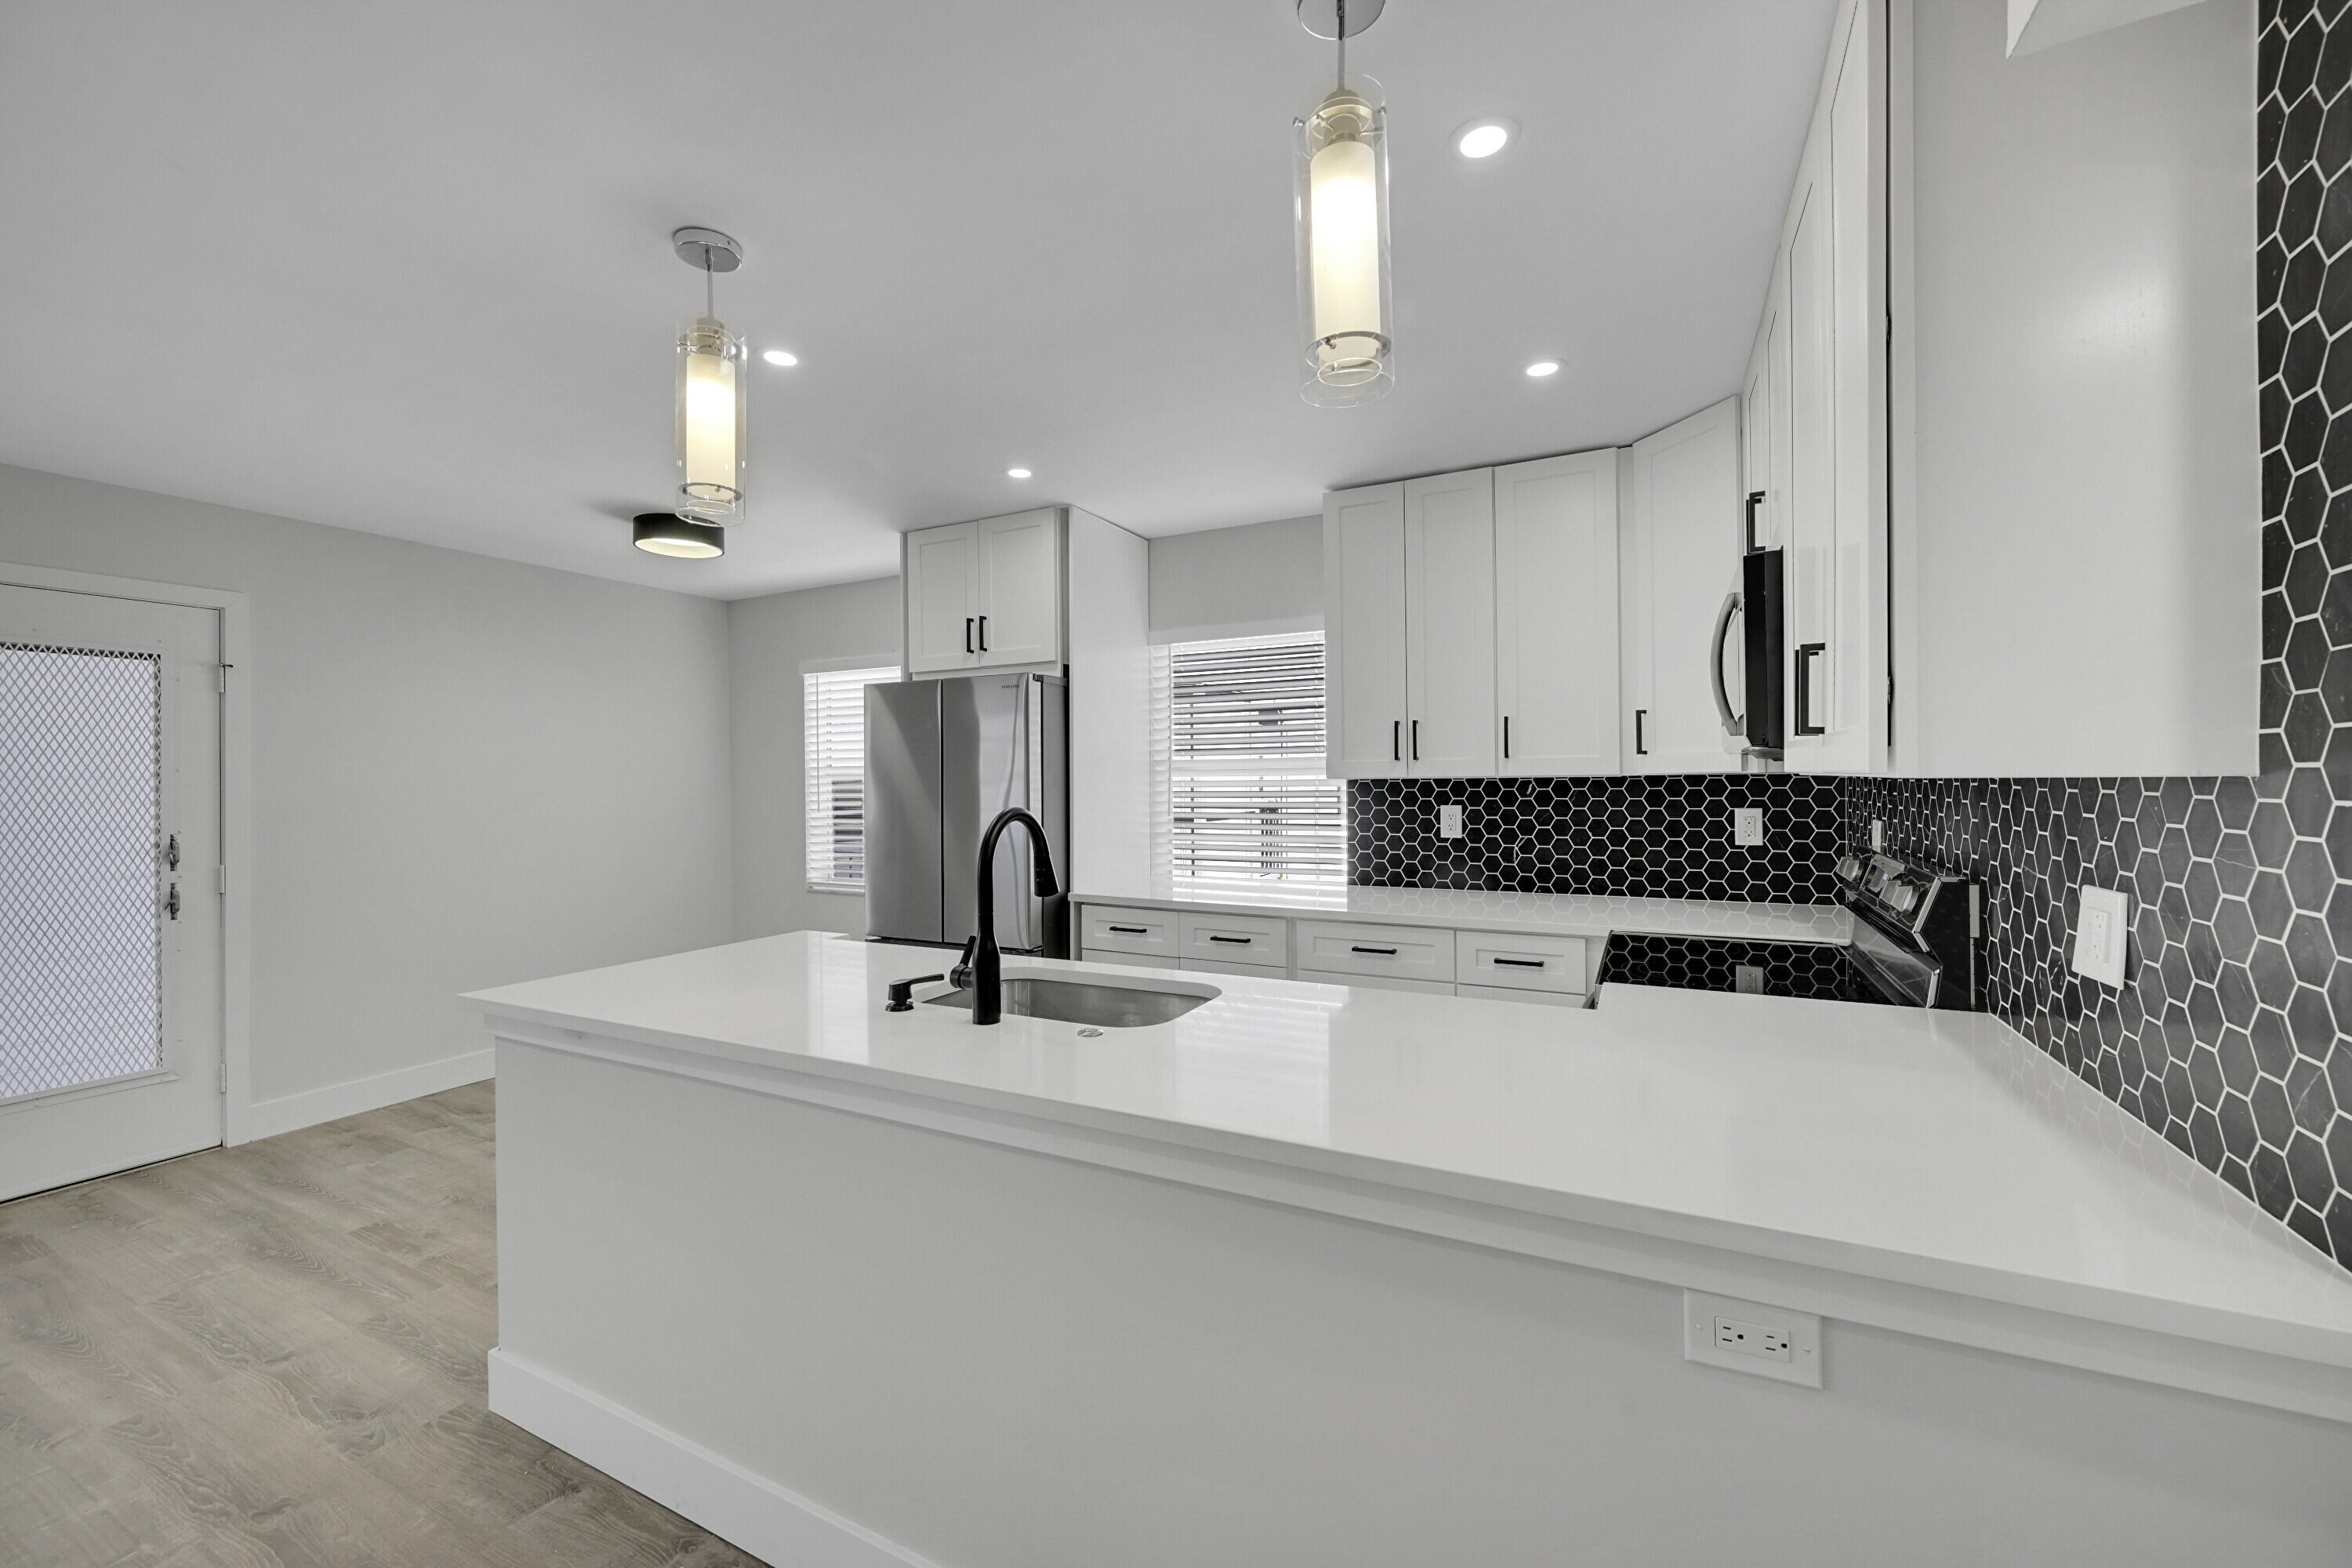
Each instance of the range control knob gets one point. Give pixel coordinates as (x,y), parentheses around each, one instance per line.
(1849,869)
(1901,896)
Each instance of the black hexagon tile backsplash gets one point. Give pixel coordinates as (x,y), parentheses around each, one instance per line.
(2229,1037)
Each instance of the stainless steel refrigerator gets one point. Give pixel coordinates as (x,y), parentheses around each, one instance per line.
(943,758)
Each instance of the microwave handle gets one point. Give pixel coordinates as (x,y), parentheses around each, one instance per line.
(1734,725)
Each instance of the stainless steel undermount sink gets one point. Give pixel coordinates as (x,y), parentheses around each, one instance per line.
(1078,1002)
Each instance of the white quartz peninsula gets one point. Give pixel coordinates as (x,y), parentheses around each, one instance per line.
(1314,1274)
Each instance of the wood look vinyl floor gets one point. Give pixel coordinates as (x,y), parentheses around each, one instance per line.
(272,1356)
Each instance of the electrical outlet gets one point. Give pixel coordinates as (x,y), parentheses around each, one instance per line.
(1748,979)
(2101,930)
(1748,826)
(1750,1337)
(1449,822)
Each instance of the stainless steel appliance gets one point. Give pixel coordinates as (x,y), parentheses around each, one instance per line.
(942,759)
(1918,943)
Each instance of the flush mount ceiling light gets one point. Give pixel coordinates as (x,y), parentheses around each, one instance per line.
(782,357)
(667,533)
(1340,171)
(1544,367)
(1016,473)
(713,412)
(1484,138)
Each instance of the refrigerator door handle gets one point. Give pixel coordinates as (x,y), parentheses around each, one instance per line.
(1733,725)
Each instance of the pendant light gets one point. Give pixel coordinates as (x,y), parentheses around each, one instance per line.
(667,533)
(1341,206)
(713,413)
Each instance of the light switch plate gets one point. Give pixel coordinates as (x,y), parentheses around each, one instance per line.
(1748,826)
(2101,932)
(1750,1337)
(1449,822)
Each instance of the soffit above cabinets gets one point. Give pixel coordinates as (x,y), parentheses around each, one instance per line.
(346,272)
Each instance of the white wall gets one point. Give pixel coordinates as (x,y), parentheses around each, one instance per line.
(1238,582)
(466,771)
(769,641)
(2086,551)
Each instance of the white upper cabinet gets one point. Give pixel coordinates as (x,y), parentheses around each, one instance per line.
(1828,304)
(986,594)
(1019,589)
(1556,643)
(942,599)
(1680,558)
(1364,632)
(1449,626)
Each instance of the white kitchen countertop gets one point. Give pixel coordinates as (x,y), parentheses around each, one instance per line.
(1557,914)
(1937,1153)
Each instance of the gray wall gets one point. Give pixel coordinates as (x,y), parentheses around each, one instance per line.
(1238,582)
(466,771)
(769,640)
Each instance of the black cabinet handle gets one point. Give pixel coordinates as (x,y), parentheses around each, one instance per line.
(1755,499)
(1517,963)
(967,634)
(1380,951)
(1506,737)
(1416,740)
(1804,724)
(1132,930)
(1641,745)
(1396,740)
(1237,941)
(983,633)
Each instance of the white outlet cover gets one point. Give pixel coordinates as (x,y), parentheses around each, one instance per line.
(2102,935)
(1748,826)
(1449,822)
(1713,1324)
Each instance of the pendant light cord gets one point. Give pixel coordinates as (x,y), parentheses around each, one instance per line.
(709,299)
(1343,44)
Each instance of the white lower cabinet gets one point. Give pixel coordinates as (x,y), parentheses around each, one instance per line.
(1251,940)
(1135,959)
(1520,962)
(1381,983)
(1329,949)
(1104,930)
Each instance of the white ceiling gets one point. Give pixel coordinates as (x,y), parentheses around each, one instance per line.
(406,267)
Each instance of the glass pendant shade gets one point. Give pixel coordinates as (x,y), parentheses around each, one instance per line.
(667,533)
(713,422)
(1342,207)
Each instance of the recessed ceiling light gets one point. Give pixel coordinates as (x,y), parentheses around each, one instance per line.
(1485,138)
(1544,367)
(1016,473)
(781,356)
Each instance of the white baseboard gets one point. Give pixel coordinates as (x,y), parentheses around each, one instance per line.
(747,1510)
(268,1118)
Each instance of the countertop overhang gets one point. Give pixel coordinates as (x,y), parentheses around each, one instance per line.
(1927,1172)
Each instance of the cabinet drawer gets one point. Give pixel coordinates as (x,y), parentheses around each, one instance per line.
(1399,952)
(1533,998)
(1236,939)
(1106,929)
(1224,966)
(1136,960)
(1520,962)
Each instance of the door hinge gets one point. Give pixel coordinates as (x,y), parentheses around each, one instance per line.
(223,880)
(220,678)
(224,1077)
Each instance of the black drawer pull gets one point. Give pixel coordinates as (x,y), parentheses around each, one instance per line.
(1518,962)
(1383,952)
(1132,930)
(1237,940)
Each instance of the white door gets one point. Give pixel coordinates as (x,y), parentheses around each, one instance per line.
(942,599)
(1019,589)
(1364,633)
(1556,615)
(1681,552)
(1449,625)
(111,966)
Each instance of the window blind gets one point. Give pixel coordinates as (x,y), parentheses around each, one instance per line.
(1248,802)
(834,703)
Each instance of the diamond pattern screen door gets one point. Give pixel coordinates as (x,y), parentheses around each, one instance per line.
(110,913)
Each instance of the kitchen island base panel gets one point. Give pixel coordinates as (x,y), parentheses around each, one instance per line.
(973,1354)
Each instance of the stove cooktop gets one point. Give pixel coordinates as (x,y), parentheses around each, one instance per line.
(1821,971)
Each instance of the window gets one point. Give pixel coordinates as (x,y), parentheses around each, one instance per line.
(1247,800)
(834,703)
